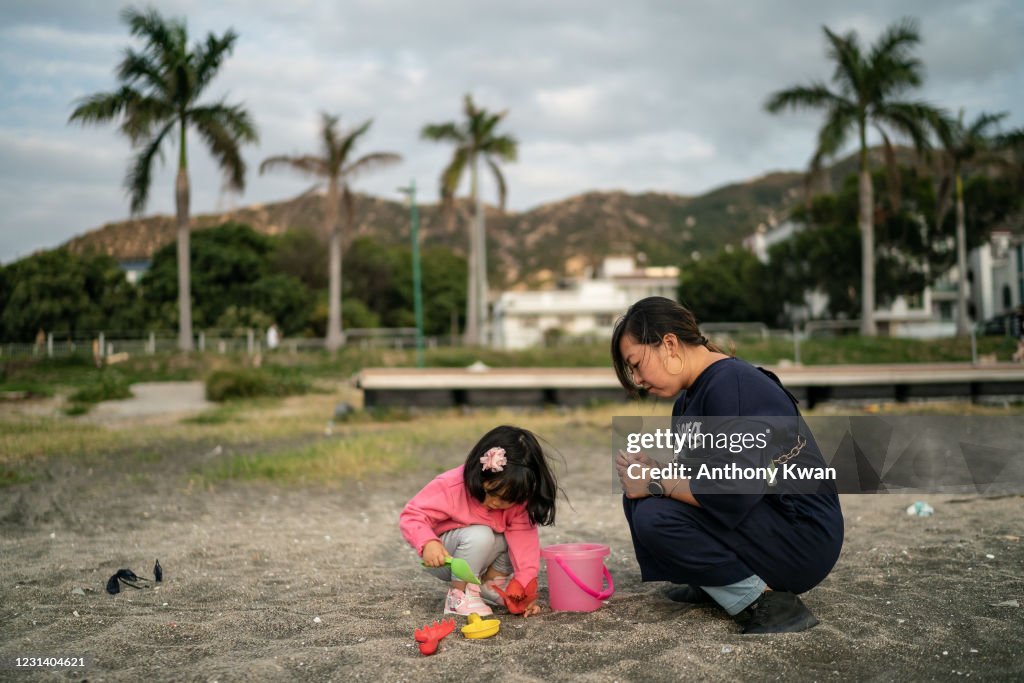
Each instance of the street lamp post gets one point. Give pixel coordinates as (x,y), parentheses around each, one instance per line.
(417,295)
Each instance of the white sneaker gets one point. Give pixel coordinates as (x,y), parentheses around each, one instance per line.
(492,596)
(466,602)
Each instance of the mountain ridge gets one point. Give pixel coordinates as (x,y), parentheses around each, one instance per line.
(532,248)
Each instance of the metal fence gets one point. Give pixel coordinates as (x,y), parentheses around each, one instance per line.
(104,344)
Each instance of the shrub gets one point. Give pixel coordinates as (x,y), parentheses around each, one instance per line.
(224,385)
(110,386)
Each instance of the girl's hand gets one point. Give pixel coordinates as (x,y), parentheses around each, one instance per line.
(434,554)
(531,609)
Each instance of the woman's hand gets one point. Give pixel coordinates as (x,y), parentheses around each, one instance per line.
(635,486)
(434,554)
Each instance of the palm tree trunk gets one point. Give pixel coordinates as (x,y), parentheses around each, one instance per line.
(962,327)
(482,300)
(866,222)
(472,333)
(334,336)
(181,200)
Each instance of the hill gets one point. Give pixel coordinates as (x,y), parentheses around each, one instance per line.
(526,249)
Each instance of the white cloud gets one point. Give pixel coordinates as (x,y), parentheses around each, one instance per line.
(639,96)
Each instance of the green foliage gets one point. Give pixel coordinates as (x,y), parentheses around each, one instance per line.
(110,385)
(381,276)
(299,253)
(64,293)
(223,385)
(232,283)
(910,249)
(731,286)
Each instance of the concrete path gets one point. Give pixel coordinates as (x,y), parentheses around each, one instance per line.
(154,399)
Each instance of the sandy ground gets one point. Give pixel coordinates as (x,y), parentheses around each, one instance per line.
(273,584)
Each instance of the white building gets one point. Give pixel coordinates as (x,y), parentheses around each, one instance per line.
(586,308)
(995,274)
(995,271)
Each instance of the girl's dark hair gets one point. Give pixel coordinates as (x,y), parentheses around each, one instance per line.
(525,478)
(648,321)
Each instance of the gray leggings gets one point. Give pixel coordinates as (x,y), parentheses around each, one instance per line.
(478,545)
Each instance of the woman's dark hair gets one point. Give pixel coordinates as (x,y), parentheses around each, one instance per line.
(648,321)
(525,477)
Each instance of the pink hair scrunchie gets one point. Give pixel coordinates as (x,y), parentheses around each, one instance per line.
(494,459)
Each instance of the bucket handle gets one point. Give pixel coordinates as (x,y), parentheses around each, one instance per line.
(603,595)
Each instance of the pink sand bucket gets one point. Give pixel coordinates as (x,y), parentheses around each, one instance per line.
(575,574)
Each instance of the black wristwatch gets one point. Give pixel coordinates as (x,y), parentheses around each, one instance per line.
(655,488)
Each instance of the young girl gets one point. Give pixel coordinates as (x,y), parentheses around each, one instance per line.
(485,512)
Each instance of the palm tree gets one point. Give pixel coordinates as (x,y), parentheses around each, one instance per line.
(157,100)
(963,146)
(474,139)
(867,85)
(335,167)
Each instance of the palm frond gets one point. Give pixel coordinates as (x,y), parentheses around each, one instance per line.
(983,121)
(443,132)
(895,41)
(209,57)
(488,123)
(947,129)
(452,174)
(370,162)
(154,28)
(468,107)
(329,137)
(103,107)
(143,114)
(845,52)
(813,96)
(136,67)
(499,179)
(910,119)
(223,128)
(349,141)
(839,122)
(505,147)
(308,165)
(139,176)
(233,117)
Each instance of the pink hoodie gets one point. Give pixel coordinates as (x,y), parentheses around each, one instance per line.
(445,504)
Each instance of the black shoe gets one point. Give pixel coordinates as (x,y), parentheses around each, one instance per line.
(776,612)
(691,594)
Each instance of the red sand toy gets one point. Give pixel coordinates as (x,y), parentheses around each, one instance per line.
(429,637)
(516,597)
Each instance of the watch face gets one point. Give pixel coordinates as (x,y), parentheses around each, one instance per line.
(655,488)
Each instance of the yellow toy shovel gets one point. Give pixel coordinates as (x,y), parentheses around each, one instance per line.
(461,570)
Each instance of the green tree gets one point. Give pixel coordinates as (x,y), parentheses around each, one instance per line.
(336,166)
(964,146)
(233,282)
(66,294)
(291,256)
(730,286)
(382,277)
(867,88)
(911,248)
(475,140)
(158,101)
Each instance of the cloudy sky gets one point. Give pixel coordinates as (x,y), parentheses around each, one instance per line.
(602,94)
